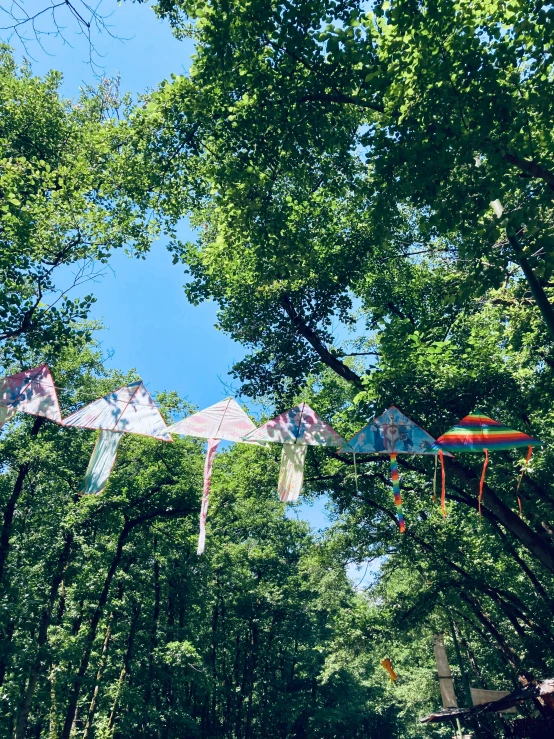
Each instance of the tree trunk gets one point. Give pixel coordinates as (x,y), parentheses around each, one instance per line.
(126,663)
(42,638)
(537,291)
(91,634)
(103,656)
(9,510)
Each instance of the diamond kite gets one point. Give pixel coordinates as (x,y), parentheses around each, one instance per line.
(129,410)
(222,421)
(296,430)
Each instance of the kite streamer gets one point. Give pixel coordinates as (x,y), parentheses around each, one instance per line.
(101,462)
(291,474)
(396,491)
(479,433)
(443,484)
(387,665)
(482,480)
(210,454)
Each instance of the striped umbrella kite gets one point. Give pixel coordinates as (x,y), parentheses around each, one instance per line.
(479,433)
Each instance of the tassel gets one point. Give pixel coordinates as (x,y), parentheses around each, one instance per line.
(443,484)
(396,491)
(482,482)
(435,481)
(210,453)
(529,452)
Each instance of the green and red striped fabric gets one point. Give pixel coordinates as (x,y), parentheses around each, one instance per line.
(478,432)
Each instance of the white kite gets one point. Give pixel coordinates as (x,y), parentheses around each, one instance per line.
(222,421)
(129,410)
(31,391)
(295,430)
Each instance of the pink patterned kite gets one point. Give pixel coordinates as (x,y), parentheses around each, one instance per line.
(129,410)
(222,421)
(295,430)
(31,391)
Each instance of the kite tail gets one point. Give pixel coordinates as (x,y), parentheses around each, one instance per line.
(396,490)
(435,481)
(482,481)
(529,452)
(210,453)
(356,471)
(443,484)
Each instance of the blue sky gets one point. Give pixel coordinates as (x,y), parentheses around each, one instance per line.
(149,324)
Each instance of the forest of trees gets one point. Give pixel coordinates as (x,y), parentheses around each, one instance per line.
(382,171)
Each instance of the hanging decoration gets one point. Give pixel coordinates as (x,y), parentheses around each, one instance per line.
(31,391)
(222,421)
(392,433)
(296,430)
(387,665)
(479,433)
(129,410)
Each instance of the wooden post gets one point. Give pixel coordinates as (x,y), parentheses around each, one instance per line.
(445,676)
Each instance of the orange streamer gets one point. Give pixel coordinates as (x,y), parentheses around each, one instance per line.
(386,663)
(529,452)
(443,484)
(482,482)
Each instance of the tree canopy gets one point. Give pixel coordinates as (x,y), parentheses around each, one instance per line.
(371,190)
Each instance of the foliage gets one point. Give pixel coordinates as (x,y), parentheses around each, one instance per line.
(62,207)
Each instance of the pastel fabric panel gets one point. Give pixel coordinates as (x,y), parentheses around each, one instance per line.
(392,433)
(33,392)
(476,432)
(101,462)
(130,409)
(210,454)
(223,420)
(5,414)
(300,425)
(291,474)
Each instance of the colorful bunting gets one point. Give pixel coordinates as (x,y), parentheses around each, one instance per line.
(31,391)
(392,433)
(222,421)
(129,410)
(299,427)
(479,433)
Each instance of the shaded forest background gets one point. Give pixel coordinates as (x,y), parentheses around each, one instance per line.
(387,170)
